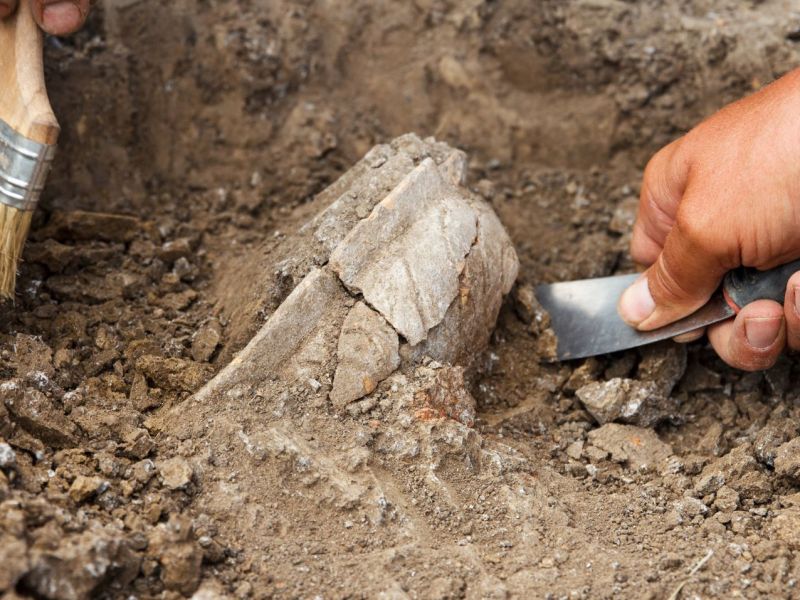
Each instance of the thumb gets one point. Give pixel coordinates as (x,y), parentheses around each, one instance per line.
(688,270)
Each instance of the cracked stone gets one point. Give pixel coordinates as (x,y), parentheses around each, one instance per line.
(639,448)
(368,353)
(625,400)
(407,257)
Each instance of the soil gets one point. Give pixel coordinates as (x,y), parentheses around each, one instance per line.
(198,137)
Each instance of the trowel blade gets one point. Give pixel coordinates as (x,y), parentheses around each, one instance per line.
(583,315)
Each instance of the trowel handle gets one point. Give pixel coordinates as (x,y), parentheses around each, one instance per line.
(745,285)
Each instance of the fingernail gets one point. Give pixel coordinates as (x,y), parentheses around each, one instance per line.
(636,303)
(761,332)
(796,292)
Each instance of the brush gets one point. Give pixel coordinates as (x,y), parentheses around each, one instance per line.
(28,135)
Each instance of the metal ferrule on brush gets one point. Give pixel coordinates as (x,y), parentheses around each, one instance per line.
(24,166)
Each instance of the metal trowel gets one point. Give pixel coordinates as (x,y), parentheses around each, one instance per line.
(584,317)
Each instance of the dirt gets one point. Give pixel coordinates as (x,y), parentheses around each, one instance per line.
(198,139)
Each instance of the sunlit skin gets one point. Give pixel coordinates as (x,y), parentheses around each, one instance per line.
(56,17)
(726,194)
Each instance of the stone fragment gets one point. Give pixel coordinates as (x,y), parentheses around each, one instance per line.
(299,335)
(32,355)
(639,448)
(172,250)
(179,555)
(489,274)
(38,415)
(78,566)
(787,460)
(173,373)
(689,508)
(84,488)
(13,561)
(8,458)
(727,499)
(771,436)
(81,225)
(626,400)
(368,353)
(176,473)
(624,216)
(205,340)
(407,257)
(529,309)
(663,364)
(644,401)
(738,470)
(138,444)
(786,527)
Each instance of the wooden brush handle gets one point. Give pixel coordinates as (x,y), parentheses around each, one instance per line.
(24,104)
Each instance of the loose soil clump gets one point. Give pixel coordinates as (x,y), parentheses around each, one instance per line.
(200,139)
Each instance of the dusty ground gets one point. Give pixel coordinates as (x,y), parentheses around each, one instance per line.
(206,128)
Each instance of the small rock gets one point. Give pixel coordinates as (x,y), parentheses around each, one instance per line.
(529,310)
(639,448)
(624,216)
(175,548)
(176,473)
(688,508)
(206,340)
(8,458)
(627,400)
(81,225)
(727,499)
(787,460)
(771,436)
(174,373)
(575,449)
(175,249)
(786,527)
(31,354)
(76,567)
(368,353)
(138,444)
(585,374)
(37,414)
(84,488)
(14,561)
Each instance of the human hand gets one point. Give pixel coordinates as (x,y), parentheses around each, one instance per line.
(726,194)
(56,17)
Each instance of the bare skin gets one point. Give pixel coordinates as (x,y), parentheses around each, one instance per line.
(726,194)
(56,17)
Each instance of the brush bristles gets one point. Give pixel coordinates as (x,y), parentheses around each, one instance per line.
(14,227)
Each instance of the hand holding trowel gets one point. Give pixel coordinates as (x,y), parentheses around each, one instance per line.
(724,195)
(586,321)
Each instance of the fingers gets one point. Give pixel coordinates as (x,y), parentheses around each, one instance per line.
(685,274)
(791,310)
(60,17)
(754,340)
(663,185)
(7,7)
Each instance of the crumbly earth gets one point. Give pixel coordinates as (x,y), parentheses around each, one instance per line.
(196,135)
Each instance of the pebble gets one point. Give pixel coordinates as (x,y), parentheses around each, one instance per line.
(8,458)
(176,473)
(84,488)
